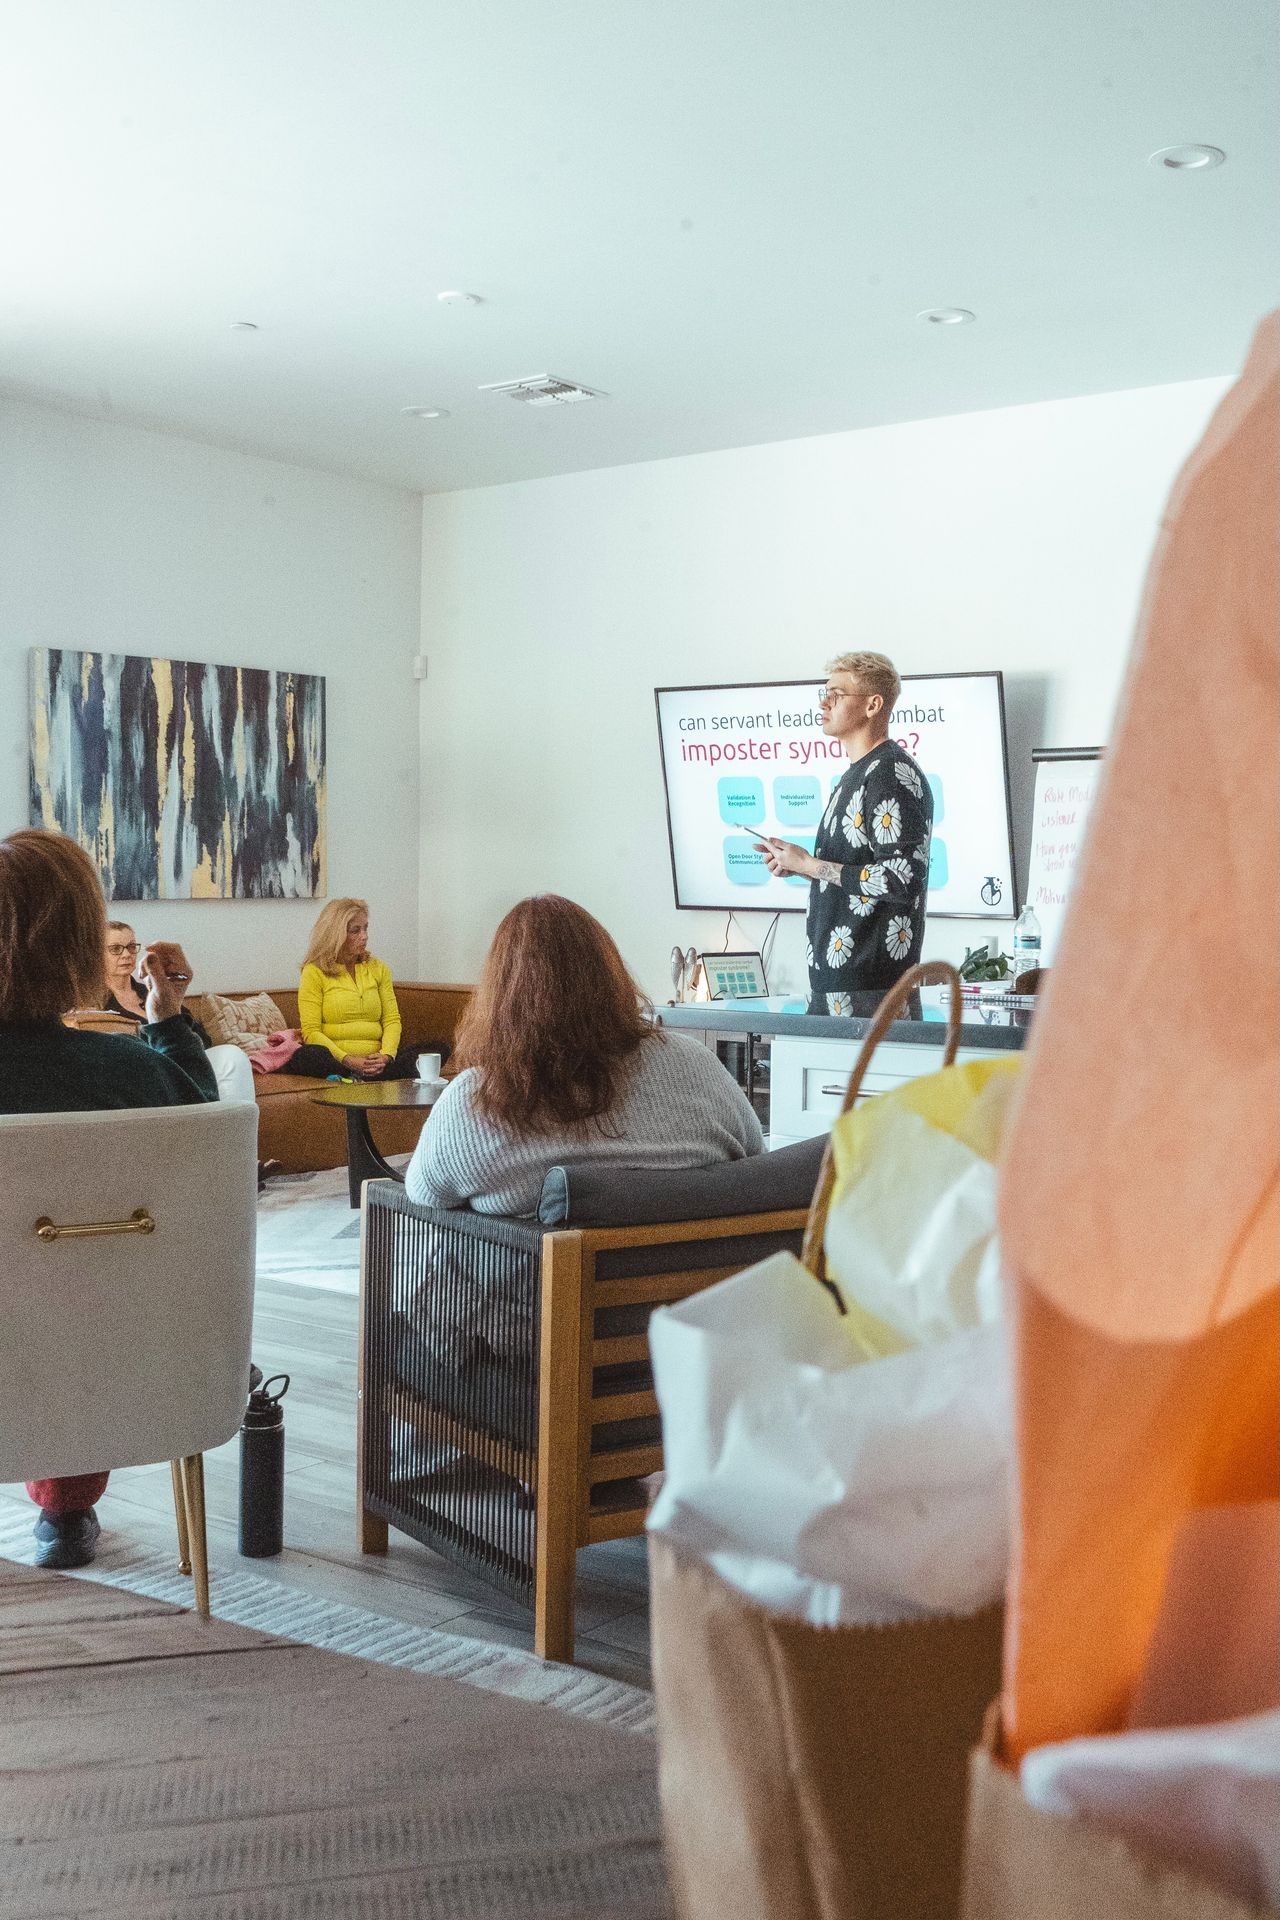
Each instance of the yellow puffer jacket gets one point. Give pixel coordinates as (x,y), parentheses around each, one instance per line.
(352,1012)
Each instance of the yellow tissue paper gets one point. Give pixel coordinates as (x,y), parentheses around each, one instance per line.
(911,1234)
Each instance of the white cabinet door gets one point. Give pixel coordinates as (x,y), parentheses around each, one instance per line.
(808,1078)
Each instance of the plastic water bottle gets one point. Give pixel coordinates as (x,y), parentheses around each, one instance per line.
(1026,942)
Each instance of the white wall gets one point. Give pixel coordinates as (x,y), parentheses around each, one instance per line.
(1016,539)
(126,541)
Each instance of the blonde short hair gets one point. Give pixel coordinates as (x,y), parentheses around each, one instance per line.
(874,673)
(329,935)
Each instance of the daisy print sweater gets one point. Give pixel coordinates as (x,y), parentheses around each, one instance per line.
(866,922)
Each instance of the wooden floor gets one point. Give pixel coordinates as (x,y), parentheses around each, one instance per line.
(157,1765)
(311,1335)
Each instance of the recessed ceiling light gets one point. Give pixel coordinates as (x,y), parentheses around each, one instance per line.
(244,326)
(454,297)
(947,316)
(426,413)
(1191,159)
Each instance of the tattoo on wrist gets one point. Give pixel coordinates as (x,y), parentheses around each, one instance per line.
(829,870)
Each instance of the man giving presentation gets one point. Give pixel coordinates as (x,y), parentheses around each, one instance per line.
(870,864)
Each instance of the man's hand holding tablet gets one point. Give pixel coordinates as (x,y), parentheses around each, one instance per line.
(780,856)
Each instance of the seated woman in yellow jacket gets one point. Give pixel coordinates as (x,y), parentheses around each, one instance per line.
(347,1010)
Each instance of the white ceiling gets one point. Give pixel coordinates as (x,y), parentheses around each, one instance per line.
(724,213)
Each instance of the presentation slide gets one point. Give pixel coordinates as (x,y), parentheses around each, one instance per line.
(756,757)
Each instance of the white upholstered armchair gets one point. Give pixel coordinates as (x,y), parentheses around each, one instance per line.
(126,1295)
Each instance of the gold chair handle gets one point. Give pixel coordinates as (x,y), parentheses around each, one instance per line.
(139,1221)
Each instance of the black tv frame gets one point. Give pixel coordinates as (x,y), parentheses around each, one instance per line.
(752,686)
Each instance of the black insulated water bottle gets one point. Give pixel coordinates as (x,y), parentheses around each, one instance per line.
(262,1470)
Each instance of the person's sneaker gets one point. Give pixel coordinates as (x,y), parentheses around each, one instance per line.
(66,1540)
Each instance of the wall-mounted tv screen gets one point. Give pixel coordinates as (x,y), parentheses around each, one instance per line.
(756,756)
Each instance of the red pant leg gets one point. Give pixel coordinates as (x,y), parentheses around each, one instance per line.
(71,1495)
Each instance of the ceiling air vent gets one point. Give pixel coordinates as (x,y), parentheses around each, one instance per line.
(543,390)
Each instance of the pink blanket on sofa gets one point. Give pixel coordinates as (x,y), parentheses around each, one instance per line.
(279,1048)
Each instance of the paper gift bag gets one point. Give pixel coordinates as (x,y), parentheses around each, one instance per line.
(1140,1190)
(811,1773)
(1025,1864)
(813,1768)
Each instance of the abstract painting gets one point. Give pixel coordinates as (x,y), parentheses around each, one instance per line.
(182,781)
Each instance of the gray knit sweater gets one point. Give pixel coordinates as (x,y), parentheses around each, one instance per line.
(677,1107)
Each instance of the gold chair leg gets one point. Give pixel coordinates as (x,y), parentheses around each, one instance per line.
(193,1484)
(180,1509)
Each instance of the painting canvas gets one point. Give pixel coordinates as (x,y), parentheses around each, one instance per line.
(182,781)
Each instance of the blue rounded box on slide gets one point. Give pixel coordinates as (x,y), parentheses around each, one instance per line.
(797,800)
(745,867)
(741,800)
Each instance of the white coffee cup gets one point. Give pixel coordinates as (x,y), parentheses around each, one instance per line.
(428,1066)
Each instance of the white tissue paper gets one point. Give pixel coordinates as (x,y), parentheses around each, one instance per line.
(822,1485)
(1205,1798)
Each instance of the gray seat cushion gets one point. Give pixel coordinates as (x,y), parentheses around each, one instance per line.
(596,1194)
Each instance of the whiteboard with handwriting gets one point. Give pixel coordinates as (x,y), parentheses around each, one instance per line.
(1066,782)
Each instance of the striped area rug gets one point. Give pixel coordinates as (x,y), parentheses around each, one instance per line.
(251,1601)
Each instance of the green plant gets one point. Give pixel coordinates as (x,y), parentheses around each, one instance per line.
(978,965)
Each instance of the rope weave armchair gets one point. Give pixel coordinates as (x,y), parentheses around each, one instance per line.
(507,1411)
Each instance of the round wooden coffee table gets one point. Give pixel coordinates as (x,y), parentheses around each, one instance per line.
(364,1162)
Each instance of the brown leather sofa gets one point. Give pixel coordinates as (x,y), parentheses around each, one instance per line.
(304,1137)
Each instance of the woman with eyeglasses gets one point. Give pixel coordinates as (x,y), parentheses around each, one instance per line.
(126,994)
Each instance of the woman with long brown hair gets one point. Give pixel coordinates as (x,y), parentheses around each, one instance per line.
(53,927)
(561,1062)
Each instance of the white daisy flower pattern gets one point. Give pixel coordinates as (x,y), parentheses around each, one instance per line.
(838,1003)
(839,946)
(898,937)
(886,821)
(875,832)
(855,827)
